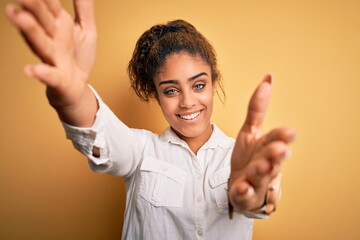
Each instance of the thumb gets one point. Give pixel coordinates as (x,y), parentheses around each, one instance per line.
(258,105)
(48,75)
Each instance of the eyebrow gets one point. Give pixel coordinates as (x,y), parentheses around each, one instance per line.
(190,79)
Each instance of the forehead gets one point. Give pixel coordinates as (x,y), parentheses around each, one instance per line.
(183,63)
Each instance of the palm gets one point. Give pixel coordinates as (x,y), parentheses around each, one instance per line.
(74,56)
(85,40)
(66,47)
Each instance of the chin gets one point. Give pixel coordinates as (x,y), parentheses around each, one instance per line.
(190,132)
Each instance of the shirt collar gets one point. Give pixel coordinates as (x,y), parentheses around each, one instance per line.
(217,139)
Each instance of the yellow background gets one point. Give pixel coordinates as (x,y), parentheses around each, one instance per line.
(311,47)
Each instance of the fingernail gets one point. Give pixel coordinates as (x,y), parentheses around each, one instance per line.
(268,78)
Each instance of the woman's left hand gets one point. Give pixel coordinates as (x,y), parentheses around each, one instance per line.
(257,157)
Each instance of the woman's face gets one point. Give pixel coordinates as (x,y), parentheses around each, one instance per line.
(185,93)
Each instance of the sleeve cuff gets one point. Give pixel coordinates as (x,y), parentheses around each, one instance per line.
(84,139)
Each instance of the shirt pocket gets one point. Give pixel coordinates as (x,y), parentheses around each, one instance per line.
(161,183)
(219,184)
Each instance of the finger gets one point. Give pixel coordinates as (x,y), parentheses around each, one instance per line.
(41,13)
(242,187)
(258,105)
(33,33)
(10,11)
(286,135)
(261,174)
(267,165)
(54,6)
(246,199)
(241,192)
(269,208)
(273,194)
(48,75)
(274,152)
(275,187)
(84,14)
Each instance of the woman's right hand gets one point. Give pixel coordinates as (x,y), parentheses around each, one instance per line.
(67,49)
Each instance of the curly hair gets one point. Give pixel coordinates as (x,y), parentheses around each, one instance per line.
(156,44)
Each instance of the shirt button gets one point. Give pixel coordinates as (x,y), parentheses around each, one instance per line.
(199,177)
(199,232)
(199,198)
(164,169)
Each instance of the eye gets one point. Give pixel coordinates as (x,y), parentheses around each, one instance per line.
(199,86)
(170,92)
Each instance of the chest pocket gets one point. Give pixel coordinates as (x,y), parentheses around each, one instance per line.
(161,184)
(218,183)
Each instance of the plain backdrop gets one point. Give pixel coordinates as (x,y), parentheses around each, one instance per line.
(311,47)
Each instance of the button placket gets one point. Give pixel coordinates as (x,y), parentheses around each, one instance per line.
(199,205)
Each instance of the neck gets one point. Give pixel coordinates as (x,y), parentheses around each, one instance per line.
(195,143)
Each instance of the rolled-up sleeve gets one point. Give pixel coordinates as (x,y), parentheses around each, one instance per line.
(120,147)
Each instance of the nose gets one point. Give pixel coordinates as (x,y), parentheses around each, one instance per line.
(187,100)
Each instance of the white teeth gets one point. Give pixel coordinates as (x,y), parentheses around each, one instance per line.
(191,116)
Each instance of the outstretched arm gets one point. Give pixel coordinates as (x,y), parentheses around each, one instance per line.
(257,157)
(67,49)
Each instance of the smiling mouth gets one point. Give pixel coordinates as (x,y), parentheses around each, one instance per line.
(190,116)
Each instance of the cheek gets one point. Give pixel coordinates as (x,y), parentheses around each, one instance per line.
(208,98)
(167,106)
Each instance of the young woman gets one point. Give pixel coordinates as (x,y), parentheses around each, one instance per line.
(184,183)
